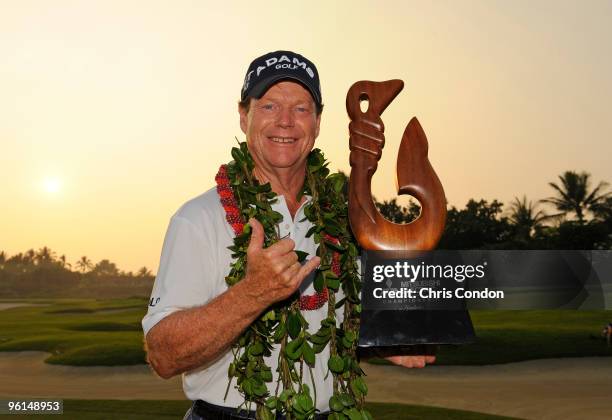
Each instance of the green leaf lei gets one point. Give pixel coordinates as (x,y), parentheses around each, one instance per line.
(283,324)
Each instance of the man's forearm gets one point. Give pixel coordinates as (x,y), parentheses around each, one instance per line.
(194,337)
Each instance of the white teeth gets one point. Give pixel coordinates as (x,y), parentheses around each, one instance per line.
(282,139)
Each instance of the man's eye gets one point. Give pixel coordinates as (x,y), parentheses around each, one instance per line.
(268,106)
(302,109)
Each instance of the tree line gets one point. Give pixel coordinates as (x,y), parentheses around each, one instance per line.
(44,259)
(581,219)
(42,274)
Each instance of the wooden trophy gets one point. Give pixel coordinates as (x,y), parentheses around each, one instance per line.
(386,330)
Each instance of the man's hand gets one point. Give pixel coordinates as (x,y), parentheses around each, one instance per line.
(411,361)
(274,273)
(418,357)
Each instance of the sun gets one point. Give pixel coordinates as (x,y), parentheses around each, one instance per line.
(52,185)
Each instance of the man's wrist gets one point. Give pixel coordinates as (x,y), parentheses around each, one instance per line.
(254,293)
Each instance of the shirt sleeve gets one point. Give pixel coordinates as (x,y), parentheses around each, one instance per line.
(187,272)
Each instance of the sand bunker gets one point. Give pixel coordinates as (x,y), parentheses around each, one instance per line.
(572,388)
(576,388)
(10,305)
(24,374)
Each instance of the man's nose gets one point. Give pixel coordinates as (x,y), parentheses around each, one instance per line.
(285,117)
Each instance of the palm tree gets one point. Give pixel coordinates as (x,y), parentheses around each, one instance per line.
(63,263)
(106,268)
(17,259)
(144,272)
(44,256)
(603,210)
(29,257)
(524,217)
(396,213)
(573,195)
(84,264)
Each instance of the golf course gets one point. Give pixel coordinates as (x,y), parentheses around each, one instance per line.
(90,353)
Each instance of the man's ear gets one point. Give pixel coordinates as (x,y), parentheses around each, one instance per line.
(318,126)
(243,118)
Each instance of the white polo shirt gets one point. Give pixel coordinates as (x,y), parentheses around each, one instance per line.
(194,263)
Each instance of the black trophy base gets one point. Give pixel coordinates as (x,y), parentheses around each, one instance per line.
(393,329)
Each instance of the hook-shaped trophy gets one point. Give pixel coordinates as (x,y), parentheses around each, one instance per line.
(415,176)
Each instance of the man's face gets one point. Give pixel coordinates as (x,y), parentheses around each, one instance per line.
(281,126)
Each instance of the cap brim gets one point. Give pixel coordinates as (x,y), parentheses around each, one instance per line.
(260,88)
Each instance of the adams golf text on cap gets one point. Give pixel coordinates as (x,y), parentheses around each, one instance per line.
(270,68)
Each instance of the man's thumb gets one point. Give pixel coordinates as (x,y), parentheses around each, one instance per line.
(257,235)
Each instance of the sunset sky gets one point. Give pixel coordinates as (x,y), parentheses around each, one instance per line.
(114,113)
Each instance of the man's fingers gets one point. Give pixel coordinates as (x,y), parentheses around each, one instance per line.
(411,361)
(281,247)
(284,262)
(293,272)
(298,272)
(257,235)
(396,360)
(418,361)
(414,361)
(308,268)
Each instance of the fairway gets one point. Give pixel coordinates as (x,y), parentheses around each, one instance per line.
(514,336)
(108,333)
(77,332)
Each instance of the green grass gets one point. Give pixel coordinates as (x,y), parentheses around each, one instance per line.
(106,326)
(73,311)
(78,332)
(107,333)
(514,336)
(149,410)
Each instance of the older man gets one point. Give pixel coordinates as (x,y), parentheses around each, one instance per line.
(193,317)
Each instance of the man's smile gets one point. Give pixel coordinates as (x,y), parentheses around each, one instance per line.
(283,139)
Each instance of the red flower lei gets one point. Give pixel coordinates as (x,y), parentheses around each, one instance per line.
(233,217)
